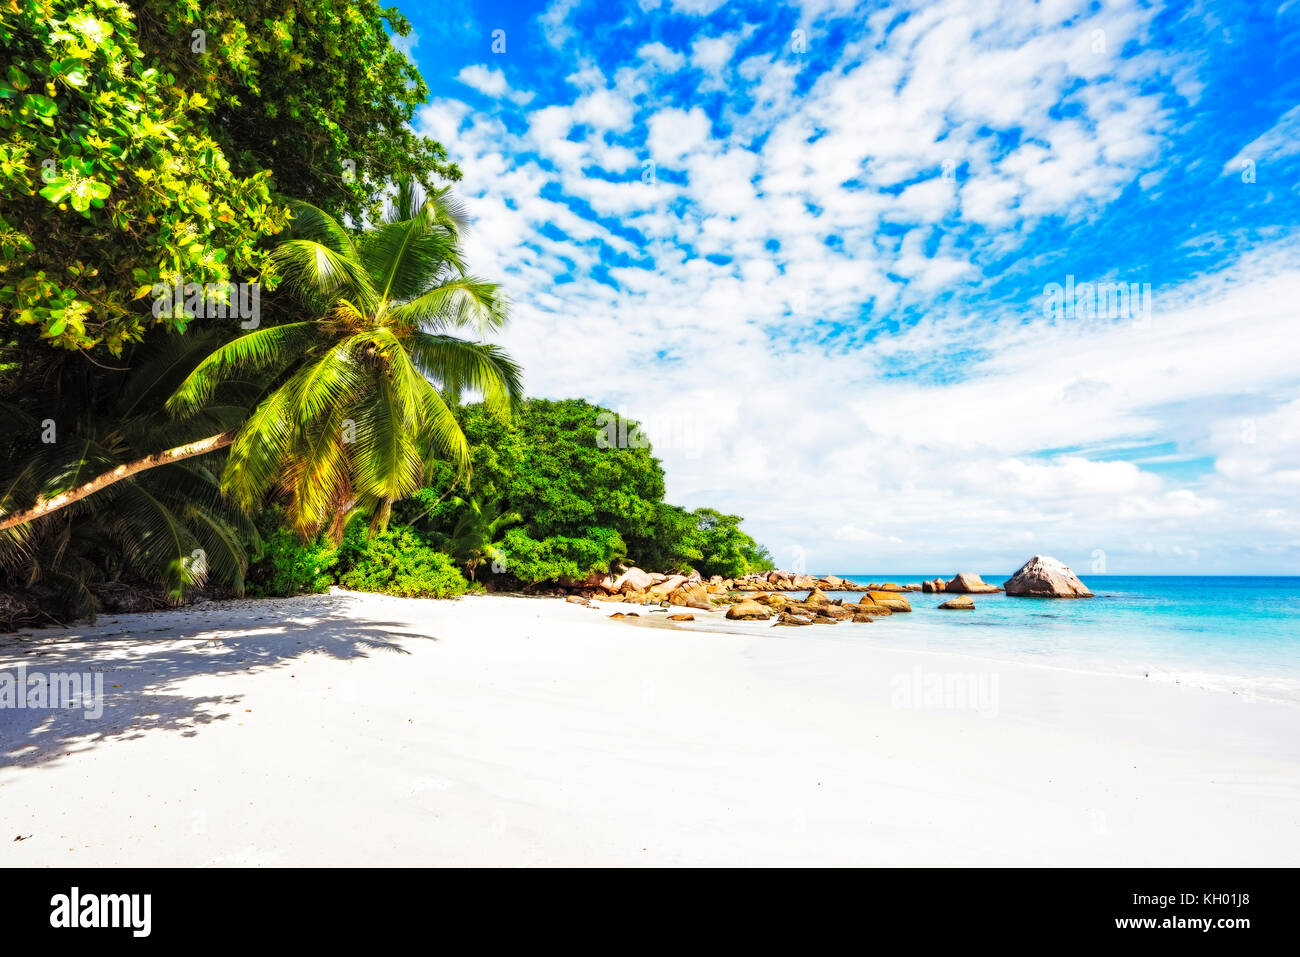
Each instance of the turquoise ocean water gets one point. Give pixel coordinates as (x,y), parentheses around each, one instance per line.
(1234,633)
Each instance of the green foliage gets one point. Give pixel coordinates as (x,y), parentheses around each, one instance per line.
(724,549)
(547,464)
(476,531)
(671,542)
(153,141)
(586,502)
(110,180)
(397,561)
(313,89)
(560,557)
(290,566)
(156,147)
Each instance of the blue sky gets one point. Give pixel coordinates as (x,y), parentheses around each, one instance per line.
(813,246)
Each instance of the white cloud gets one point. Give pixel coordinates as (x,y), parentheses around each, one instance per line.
(861,536)
(713,54)
(555,22)
(1280,141)
(661,56)
(698,8)
(491,82)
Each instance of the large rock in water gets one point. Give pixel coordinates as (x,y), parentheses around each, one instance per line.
(891,600)
(871,609)
(1044,577)
(968,583)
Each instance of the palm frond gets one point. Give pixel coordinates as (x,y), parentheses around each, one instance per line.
(160,366)
(457,365)
(330,382)
(317,274)
(443,208)
(162,542)
(255,458)
(386,460)
(317,476)
(257,351)
(406,258)
(311,222)
(225,558)
(463,302)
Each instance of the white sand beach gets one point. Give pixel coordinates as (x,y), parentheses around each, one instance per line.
(350,729)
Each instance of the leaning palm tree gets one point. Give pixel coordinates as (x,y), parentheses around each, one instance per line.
(353,415)
(170,527)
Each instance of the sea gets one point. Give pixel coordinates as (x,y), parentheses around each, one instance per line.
(1238,634)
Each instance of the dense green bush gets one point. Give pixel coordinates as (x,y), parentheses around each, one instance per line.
(399,561)
(152,142)
(559,557)
(584,502)
(723,548)
(290,566)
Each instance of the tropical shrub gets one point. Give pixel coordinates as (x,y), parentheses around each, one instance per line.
(546,464)
(560,557)
(291,566)
(724,549)
(397,561)
(476,528)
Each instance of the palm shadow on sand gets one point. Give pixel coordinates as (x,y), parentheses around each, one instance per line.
(142,664)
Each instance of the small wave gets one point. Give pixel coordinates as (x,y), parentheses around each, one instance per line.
(1252,689)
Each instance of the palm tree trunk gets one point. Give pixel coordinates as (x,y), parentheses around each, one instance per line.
(379,521)
(180,453)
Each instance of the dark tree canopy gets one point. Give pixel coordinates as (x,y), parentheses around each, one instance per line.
(314,91)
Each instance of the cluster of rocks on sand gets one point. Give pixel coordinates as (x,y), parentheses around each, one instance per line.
(755,597)
(818,608)
(760,596)
(637,586)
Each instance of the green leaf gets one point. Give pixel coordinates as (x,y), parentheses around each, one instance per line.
(41,105)
(56,190)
